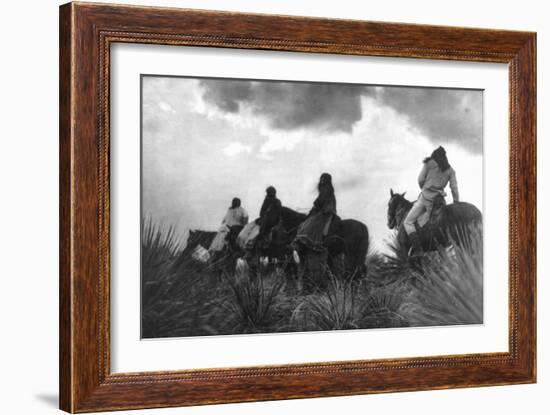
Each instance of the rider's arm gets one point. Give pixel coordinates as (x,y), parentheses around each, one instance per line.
(422,175)
(454,186)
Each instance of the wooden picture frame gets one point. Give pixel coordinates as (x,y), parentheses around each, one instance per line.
(86,33)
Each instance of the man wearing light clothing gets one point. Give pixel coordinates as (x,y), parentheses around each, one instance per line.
(234,221)
(435,175)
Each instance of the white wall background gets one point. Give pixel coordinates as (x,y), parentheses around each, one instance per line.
(29,207)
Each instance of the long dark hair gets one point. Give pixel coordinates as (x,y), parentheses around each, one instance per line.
(439,155)
(327,185)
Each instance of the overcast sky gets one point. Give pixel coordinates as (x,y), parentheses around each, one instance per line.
(206,141)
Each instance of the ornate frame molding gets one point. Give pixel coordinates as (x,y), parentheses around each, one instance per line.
(86,34)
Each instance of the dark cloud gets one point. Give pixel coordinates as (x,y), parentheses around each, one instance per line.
(443,115)
(290,105)
(226,94)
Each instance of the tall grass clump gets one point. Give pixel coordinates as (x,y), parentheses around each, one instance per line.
(335,307)
(158,249)
(383,307)
(443,287)
(164,308)
(252,301)
(450,289)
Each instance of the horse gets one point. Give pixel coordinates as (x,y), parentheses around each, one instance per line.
(447,228)
(350,239)
(274,244)
(219,262)
(194,239)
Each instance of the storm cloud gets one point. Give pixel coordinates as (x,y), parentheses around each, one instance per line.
(289,105)
(205,142)
(442,115)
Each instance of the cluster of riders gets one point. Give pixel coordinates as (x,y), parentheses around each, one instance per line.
(419,224)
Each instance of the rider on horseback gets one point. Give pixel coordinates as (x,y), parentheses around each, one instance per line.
(435,175)
(235,219)
(315,228)
(270,212)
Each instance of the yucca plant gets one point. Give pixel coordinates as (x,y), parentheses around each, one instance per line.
(382,307)
(251,302)
(164,291)
(443,287)
(450,291)
(335,307)
(158,249)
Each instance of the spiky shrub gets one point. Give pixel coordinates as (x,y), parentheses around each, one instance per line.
(170,294)
(383,307)
(386,288)
(251,303)
(443,287)
(449,291)
(334,307)
(158,249)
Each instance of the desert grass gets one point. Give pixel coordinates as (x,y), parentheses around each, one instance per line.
(335,307)
(449,291)
(252,300)
(182,297)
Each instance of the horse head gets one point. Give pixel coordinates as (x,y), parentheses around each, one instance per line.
(397,200)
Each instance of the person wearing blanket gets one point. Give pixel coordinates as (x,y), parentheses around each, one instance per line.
(234,221)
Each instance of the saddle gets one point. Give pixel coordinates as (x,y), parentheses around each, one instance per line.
(434,217)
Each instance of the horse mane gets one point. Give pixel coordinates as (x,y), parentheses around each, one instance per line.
(291,217)
(403,200)
(399,206)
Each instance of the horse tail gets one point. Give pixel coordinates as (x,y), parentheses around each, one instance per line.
(461,218)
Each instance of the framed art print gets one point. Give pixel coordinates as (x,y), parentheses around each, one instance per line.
(261,207)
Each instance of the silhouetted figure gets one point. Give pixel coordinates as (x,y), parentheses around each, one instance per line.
(270,212)
(312,231)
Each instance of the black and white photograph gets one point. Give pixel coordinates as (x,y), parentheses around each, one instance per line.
(276,206)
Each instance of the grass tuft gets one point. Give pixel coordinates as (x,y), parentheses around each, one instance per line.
(252,301)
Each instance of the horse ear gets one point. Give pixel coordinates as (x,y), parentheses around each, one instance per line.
(403,194)
(391,192)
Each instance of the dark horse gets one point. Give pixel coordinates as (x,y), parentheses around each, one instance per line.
(442,229)
(220,262)
(350,239)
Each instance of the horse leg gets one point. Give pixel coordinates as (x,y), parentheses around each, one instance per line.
(337,264)
(315,266)
(289,274)
(303,284)
(298,281)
